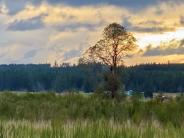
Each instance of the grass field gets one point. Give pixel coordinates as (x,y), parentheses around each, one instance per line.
(86,129)
(49,115)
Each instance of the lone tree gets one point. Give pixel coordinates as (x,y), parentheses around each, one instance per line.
(111,49)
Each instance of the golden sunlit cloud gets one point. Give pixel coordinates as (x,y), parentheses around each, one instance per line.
(155,39)
(66,28)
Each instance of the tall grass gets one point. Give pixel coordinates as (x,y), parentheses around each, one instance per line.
(50,106)
(74,115)
(86,129)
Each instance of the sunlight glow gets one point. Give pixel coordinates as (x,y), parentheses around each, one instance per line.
(155,39)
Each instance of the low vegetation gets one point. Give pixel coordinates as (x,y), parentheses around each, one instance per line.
(73,106)
(77,115)
(86,129)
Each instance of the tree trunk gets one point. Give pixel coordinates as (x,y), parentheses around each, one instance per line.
(113,94)
(113,90)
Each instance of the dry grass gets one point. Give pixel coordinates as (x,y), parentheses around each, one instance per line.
(86,129)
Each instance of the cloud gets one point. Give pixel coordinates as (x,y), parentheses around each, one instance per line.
(152,29)
(89,16)
(148,26)
(31,53)
(173,47)
(172,51)
(70,17)
(24,25)
(182,20)
(49,31)
(3,9)
(75,26)
(8,53)
(131,4)
(14,6)
(72,54)
(156,19)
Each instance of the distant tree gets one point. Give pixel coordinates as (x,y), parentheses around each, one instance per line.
(56,64)
(111,49)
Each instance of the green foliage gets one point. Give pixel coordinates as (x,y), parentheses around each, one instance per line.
(76,106)
(71,115)
(112,84)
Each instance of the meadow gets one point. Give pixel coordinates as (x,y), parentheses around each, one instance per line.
(86,129)
(72,115)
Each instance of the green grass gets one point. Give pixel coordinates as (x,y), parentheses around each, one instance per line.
(86,129)
(49,115)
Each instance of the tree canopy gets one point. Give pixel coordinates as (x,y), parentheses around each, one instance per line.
(110,51)
(113,47)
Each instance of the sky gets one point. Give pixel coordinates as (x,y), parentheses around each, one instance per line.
(45,31)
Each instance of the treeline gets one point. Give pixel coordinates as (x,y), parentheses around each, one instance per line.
(155,78)
(146,78)
(43,77)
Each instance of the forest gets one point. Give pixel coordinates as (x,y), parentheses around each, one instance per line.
(146,78)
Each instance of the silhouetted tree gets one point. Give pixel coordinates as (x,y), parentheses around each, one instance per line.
(111,49)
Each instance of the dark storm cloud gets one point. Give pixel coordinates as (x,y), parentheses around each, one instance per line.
(24,25)
(128,3)
(173,47)
(134,4)
(15,6)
